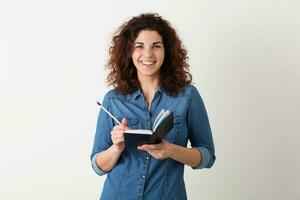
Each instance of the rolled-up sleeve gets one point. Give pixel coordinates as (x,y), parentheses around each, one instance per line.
(200,134)
(207,159)
(102,140)
(96,168)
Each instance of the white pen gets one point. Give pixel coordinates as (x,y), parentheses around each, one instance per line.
(109,113)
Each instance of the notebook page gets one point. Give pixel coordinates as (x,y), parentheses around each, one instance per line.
(162,118)
(158,118)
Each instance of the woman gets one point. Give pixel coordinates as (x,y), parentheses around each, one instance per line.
(149,72)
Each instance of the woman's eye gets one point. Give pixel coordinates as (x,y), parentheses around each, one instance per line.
(139,46)
(157,46)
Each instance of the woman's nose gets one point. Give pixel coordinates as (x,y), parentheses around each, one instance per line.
(148,52)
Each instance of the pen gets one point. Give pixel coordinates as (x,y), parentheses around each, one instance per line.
(109,113)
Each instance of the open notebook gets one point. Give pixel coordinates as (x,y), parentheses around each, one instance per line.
(161,126)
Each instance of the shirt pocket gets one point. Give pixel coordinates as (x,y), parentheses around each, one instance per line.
(172,135)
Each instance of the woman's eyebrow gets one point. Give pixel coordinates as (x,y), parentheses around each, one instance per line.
(158,42)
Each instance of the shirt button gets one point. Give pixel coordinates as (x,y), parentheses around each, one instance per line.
(147,158)
(143,177)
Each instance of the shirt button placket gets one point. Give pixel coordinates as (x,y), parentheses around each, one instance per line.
(144,175)
(146,161)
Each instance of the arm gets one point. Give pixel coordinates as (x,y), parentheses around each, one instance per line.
(200,134)
(108,158)
(163,150)
(108,141)
(188,156)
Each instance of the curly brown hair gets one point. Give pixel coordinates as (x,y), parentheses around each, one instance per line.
(174,72)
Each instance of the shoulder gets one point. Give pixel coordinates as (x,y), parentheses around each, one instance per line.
(188,91)
(115,94)
(191,93)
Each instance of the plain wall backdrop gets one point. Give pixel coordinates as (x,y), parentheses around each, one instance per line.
(244,57)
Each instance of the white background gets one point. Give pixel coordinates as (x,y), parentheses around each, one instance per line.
(244,57)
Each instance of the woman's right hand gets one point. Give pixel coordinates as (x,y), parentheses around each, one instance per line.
(117,136)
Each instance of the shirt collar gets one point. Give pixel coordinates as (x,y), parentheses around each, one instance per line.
(138,92)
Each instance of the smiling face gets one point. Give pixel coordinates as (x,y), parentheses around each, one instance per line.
(148,54)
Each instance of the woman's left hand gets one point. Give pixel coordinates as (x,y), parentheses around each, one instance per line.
(159,151)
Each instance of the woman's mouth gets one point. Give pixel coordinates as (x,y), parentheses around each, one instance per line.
(146,62)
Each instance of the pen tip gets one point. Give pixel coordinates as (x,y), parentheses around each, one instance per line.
(98,103)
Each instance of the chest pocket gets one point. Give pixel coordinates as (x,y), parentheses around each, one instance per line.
(173,133)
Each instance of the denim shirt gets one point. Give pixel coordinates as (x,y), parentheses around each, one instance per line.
(138,175)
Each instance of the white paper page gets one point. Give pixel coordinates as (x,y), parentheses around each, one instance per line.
(164,116)
(139,131)
(157,119)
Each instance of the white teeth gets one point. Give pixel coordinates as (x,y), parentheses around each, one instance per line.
(147,62)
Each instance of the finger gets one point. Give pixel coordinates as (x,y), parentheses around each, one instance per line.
(124,122)
(115,137)
(117,140)
(150,147)
(142,147)
(119,127)
(117,132)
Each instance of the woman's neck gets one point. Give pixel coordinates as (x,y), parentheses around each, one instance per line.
(149,87)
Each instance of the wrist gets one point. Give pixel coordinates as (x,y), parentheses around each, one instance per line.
(117,148)
(172,150)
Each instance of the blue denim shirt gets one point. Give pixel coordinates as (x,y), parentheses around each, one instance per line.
(137,175)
